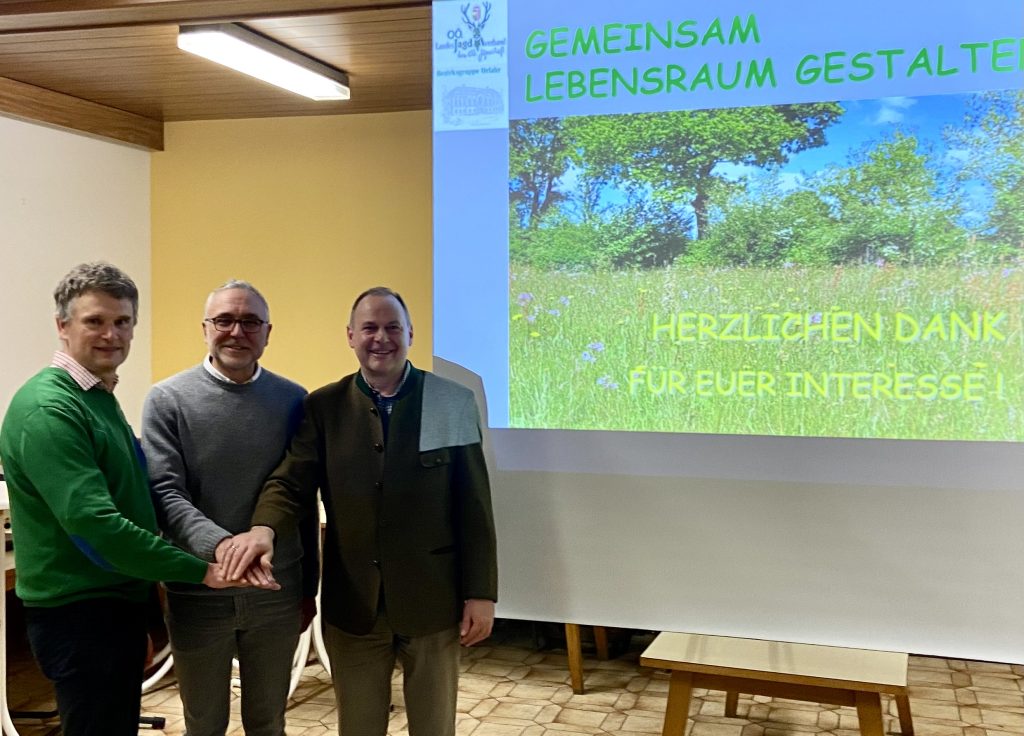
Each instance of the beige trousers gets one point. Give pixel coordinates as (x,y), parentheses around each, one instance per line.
(361,667)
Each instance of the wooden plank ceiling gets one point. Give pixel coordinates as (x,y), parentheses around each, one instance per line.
(122,57)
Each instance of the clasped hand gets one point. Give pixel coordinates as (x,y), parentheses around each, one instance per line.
(244,560)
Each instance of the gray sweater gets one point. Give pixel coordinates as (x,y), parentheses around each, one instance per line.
(209,446)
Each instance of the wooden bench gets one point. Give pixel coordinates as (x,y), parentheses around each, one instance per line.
(820,674)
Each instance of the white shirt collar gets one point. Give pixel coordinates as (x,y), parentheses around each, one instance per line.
(208,365)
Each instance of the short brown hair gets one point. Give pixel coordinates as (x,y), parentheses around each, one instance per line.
(96,276)
(380,291)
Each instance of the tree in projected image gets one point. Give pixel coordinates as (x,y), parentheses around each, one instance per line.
(887,206)
(991,146)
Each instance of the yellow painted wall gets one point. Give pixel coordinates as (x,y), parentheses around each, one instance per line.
(311,211)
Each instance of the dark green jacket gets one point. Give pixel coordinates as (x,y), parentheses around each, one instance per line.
(410,521)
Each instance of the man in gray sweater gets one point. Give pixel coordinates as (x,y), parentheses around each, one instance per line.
(211,435)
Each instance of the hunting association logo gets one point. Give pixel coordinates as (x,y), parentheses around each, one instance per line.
(467,41)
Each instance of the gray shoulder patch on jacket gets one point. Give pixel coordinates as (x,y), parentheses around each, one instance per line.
(450,417)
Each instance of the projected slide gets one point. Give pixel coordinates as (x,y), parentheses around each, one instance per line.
(734,219)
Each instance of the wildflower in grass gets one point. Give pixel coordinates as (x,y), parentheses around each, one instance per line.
(564,300)
(531,318)
(788,264)
(1007,272)
(554,312)
(535,334)
(816,318)
(597,347)
(524,298)
(588,357)
(606,382)
(516,316)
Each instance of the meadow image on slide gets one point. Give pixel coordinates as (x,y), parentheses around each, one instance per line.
(849,269)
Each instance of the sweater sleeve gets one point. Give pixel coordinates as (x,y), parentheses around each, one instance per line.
(181,521)
(58,459)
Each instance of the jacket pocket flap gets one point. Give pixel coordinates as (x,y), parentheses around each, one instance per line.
(435,458)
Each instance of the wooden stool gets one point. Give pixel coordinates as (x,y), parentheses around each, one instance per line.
(575,652)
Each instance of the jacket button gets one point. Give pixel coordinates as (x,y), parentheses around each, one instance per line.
(378,447)
(374,411)
(378,485)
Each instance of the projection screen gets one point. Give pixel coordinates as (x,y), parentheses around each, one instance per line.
(742,285)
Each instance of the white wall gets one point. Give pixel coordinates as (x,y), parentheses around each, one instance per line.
(64,199)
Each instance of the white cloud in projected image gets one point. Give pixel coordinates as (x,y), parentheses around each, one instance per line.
(893,109)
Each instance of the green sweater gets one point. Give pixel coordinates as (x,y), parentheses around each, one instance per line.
(81,514)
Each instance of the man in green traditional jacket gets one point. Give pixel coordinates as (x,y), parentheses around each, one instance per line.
(409,562)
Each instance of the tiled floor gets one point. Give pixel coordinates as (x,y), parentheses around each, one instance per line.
(509,687)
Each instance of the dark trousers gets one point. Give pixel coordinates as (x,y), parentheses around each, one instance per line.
(94,652)
(261,627)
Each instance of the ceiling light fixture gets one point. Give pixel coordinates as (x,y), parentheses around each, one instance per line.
(251,53)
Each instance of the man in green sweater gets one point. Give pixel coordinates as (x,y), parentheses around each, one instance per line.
(81,513)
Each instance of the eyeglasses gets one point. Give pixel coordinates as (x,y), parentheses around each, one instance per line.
(227,324)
